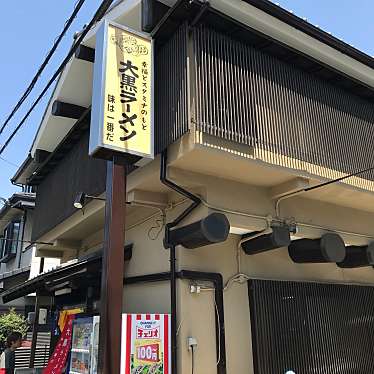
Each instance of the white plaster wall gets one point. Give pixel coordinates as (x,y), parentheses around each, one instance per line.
(196,313)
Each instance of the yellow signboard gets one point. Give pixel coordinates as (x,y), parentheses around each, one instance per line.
(122,107)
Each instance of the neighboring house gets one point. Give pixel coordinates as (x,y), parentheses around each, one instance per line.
(19,264)
(253,106)
(17,252)
(17,255)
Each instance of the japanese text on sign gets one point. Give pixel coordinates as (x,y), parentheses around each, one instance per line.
(127,93)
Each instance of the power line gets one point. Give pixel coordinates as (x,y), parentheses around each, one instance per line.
(338,179)
(9,162)
(98,15)
(320,185)
(57,41)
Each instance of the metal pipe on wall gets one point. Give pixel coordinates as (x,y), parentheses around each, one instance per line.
(173,310)
(20,245)
(173,286)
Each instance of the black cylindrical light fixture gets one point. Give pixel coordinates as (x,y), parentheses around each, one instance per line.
(79,200)
(357,256)
(329,248)
(211,229)
(280,237)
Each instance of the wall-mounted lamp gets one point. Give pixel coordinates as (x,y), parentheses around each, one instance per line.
(278,238)
(81,197)
(210,230)
(357,256)
(329,248)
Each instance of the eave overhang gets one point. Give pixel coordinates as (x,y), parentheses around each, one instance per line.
(86,270)
(17,203)
(74,85)
(23,200)
(304,26)
(71,138)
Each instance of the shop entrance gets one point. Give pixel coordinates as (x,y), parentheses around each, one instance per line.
(311,328)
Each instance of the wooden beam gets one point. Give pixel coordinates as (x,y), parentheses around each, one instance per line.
(67,245)
(62,109)
(128,252)
(156,199)
(41,155)
(288,187)
(152,13)
(85,53)
(42,252)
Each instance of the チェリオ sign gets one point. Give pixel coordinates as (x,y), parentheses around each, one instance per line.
(145,346)
(122,98)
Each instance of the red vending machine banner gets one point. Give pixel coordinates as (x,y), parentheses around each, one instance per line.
(145,344)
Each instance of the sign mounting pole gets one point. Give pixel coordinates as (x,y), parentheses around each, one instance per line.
(121,132)
(112,269)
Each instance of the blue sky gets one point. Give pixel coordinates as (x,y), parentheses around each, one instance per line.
(349,20)
(30,27)
(27,33)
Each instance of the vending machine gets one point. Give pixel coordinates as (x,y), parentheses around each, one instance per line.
(145,344)
(84,346)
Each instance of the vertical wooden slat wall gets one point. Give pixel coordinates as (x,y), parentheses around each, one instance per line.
(291,117)
(311,327)
(171,117)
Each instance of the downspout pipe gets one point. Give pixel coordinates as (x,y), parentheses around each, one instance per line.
(24,220)
(196,201)
(217,281)
(173,307)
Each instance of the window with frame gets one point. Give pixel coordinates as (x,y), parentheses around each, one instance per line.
(2,244)
(9,241)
